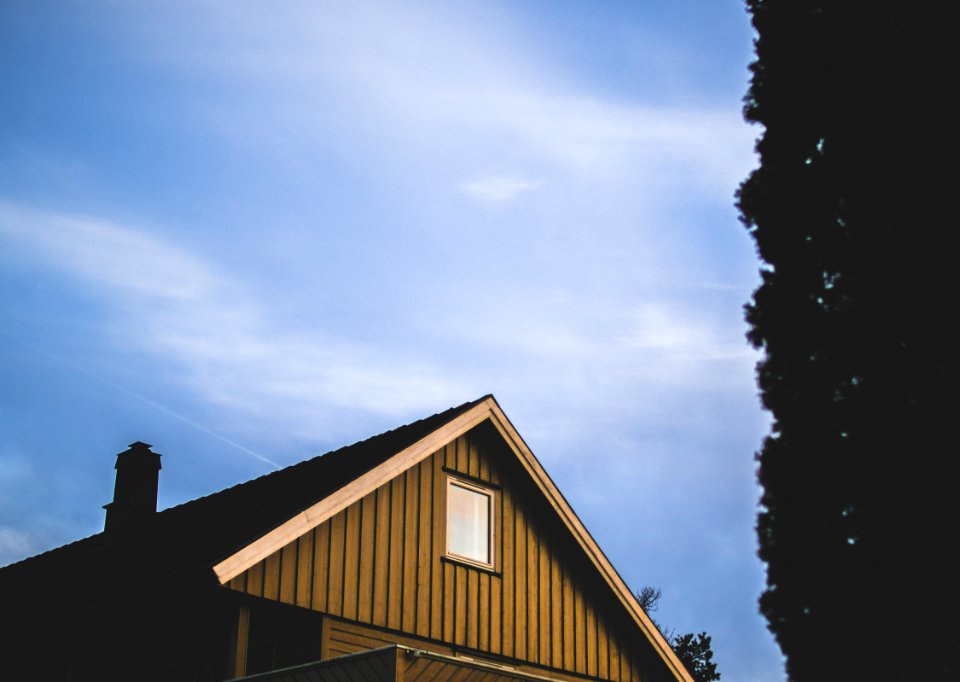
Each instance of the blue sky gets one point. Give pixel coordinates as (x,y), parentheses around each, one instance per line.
(249,233)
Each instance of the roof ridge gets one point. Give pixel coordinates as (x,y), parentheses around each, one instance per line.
(310,460)
(70,545)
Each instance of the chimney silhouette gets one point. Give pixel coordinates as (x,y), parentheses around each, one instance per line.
(135,490)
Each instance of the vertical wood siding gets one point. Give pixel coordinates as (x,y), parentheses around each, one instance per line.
(380,562)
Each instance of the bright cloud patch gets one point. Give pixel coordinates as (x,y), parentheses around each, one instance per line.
(498,188)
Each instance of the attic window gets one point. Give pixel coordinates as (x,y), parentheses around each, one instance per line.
(470,522)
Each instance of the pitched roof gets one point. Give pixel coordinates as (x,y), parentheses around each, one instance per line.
(233,529)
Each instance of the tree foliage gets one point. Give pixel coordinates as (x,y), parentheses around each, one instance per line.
(649,598)
(694,651)
(848,209)
(696,655)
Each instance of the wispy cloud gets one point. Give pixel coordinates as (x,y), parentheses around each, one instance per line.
(438,99)
(175,305)
(227,346)
(16,544)
(16,474)
(128,262)
(460,93)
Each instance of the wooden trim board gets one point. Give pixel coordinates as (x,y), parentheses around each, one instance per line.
(313,516)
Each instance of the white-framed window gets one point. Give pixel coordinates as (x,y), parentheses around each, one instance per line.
(470,522)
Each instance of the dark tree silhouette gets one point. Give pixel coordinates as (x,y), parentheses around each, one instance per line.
(694,651)
(855,312)
(649,598)
(696,655)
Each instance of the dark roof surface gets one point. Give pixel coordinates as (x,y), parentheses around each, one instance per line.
(201,532)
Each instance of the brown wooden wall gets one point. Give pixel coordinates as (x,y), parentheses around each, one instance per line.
(380,562)
(343,638)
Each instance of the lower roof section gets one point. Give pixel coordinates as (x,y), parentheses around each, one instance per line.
(397,663)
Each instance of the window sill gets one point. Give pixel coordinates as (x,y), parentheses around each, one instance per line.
(466,563)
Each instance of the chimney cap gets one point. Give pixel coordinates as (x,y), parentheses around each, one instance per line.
(140,453)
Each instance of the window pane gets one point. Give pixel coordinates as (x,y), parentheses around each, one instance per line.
(468,519)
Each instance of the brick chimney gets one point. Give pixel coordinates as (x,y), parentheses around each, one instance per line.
(135,490)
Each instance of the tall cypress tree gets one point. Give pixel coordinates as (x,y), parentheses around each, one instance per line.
(851,216)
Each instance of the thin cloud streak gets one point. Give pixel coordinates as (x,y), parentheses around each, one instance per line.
(145,400)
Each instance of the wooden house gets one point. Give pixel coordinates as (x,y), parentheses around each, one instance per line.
(437,551)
